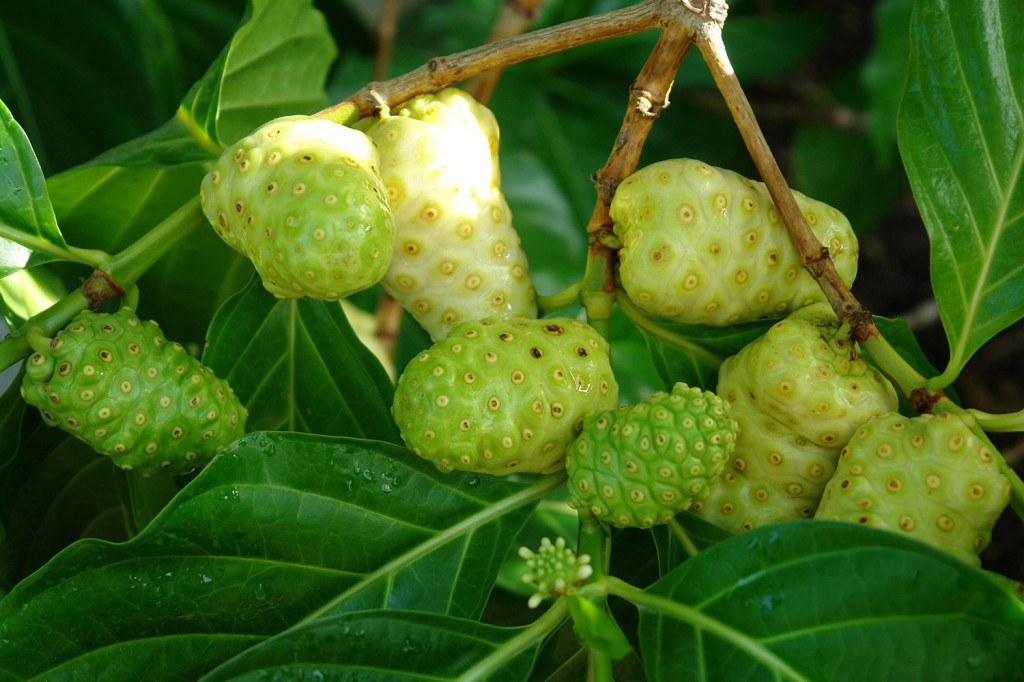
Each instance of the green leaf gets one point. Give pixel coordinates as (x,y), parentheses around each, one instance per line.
(298,366)
(961,131)
(275,65)
(378,645)
(11,408)
(26,215)
(817,600)
(57,490)
(692,353)
(279,530)
(169,145)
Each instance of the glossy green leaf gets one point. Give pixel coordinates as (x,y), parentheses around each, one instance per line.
(961,129)
(597,629)
(275,65)
(279,530)
(11,408)
(27,222)
(377,646)
(298,366)
(816,600)
(110,207)
(692,353)
(55,491)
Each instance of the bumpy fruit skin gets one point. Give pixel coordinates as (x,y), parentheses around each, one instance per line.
(302,198)
(798,393)
(640,465)
(704,245)
(502,396)
(927,476)
(457,255)
(116,383)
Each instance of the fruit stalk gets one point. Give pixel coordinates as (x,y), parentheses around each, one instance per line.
(126,268)
(647,97)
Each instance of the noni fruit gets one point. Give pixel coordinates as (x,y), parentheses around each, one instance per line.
(118,384)
(927,476)
(798,393)
(504,395)
(457,255)
(704,245)
(640,465)
(302,198)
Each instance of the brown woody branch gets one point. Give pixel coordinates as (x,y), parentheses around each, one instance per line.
(442,72)
(647,97)
(814,255)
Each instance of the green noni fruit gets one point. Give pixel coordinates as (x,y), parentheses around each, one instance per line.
(302,198)
(457,255)
(704,245)
(118,384)
(927,476)
(504,395)
(798,393)
(642,464)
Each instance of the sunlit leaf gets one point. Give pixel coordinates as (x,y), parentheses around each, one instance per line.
(299,366)
(276,64)
(279,530)
(961,129)
(816,600)
(26,216)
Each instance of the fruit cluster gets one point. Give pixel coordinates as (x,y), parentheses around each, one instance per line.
(800,425)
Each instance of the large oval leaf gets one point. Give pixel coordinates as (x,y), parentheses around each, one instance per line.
(276,64)
(817,600)
(376,646)
(961,134)
(278,530)
(299,366)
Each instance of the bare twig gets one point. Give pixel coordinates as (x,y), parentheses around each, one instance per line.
(442,72)
(814,255)
(647,97)
(514,17)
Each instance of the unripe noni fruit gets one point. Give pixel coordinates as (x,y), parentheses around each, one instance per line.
(642,464)
(504,396)
(116,383)
(457,255)
(798,393)
(302,198)
(704,245)
(927,476)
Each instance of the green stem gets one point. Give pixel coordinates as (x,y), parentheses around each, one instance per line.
(498,659)
(148,496)
(892,364)
(684,538)
(91,257)
(563,299)
(998,423)
(599,667)
(595,541)
(126,268)
(637,317)
(701,621)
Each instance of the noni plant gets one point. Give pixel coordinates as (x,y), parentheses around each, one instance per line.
(524,340)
